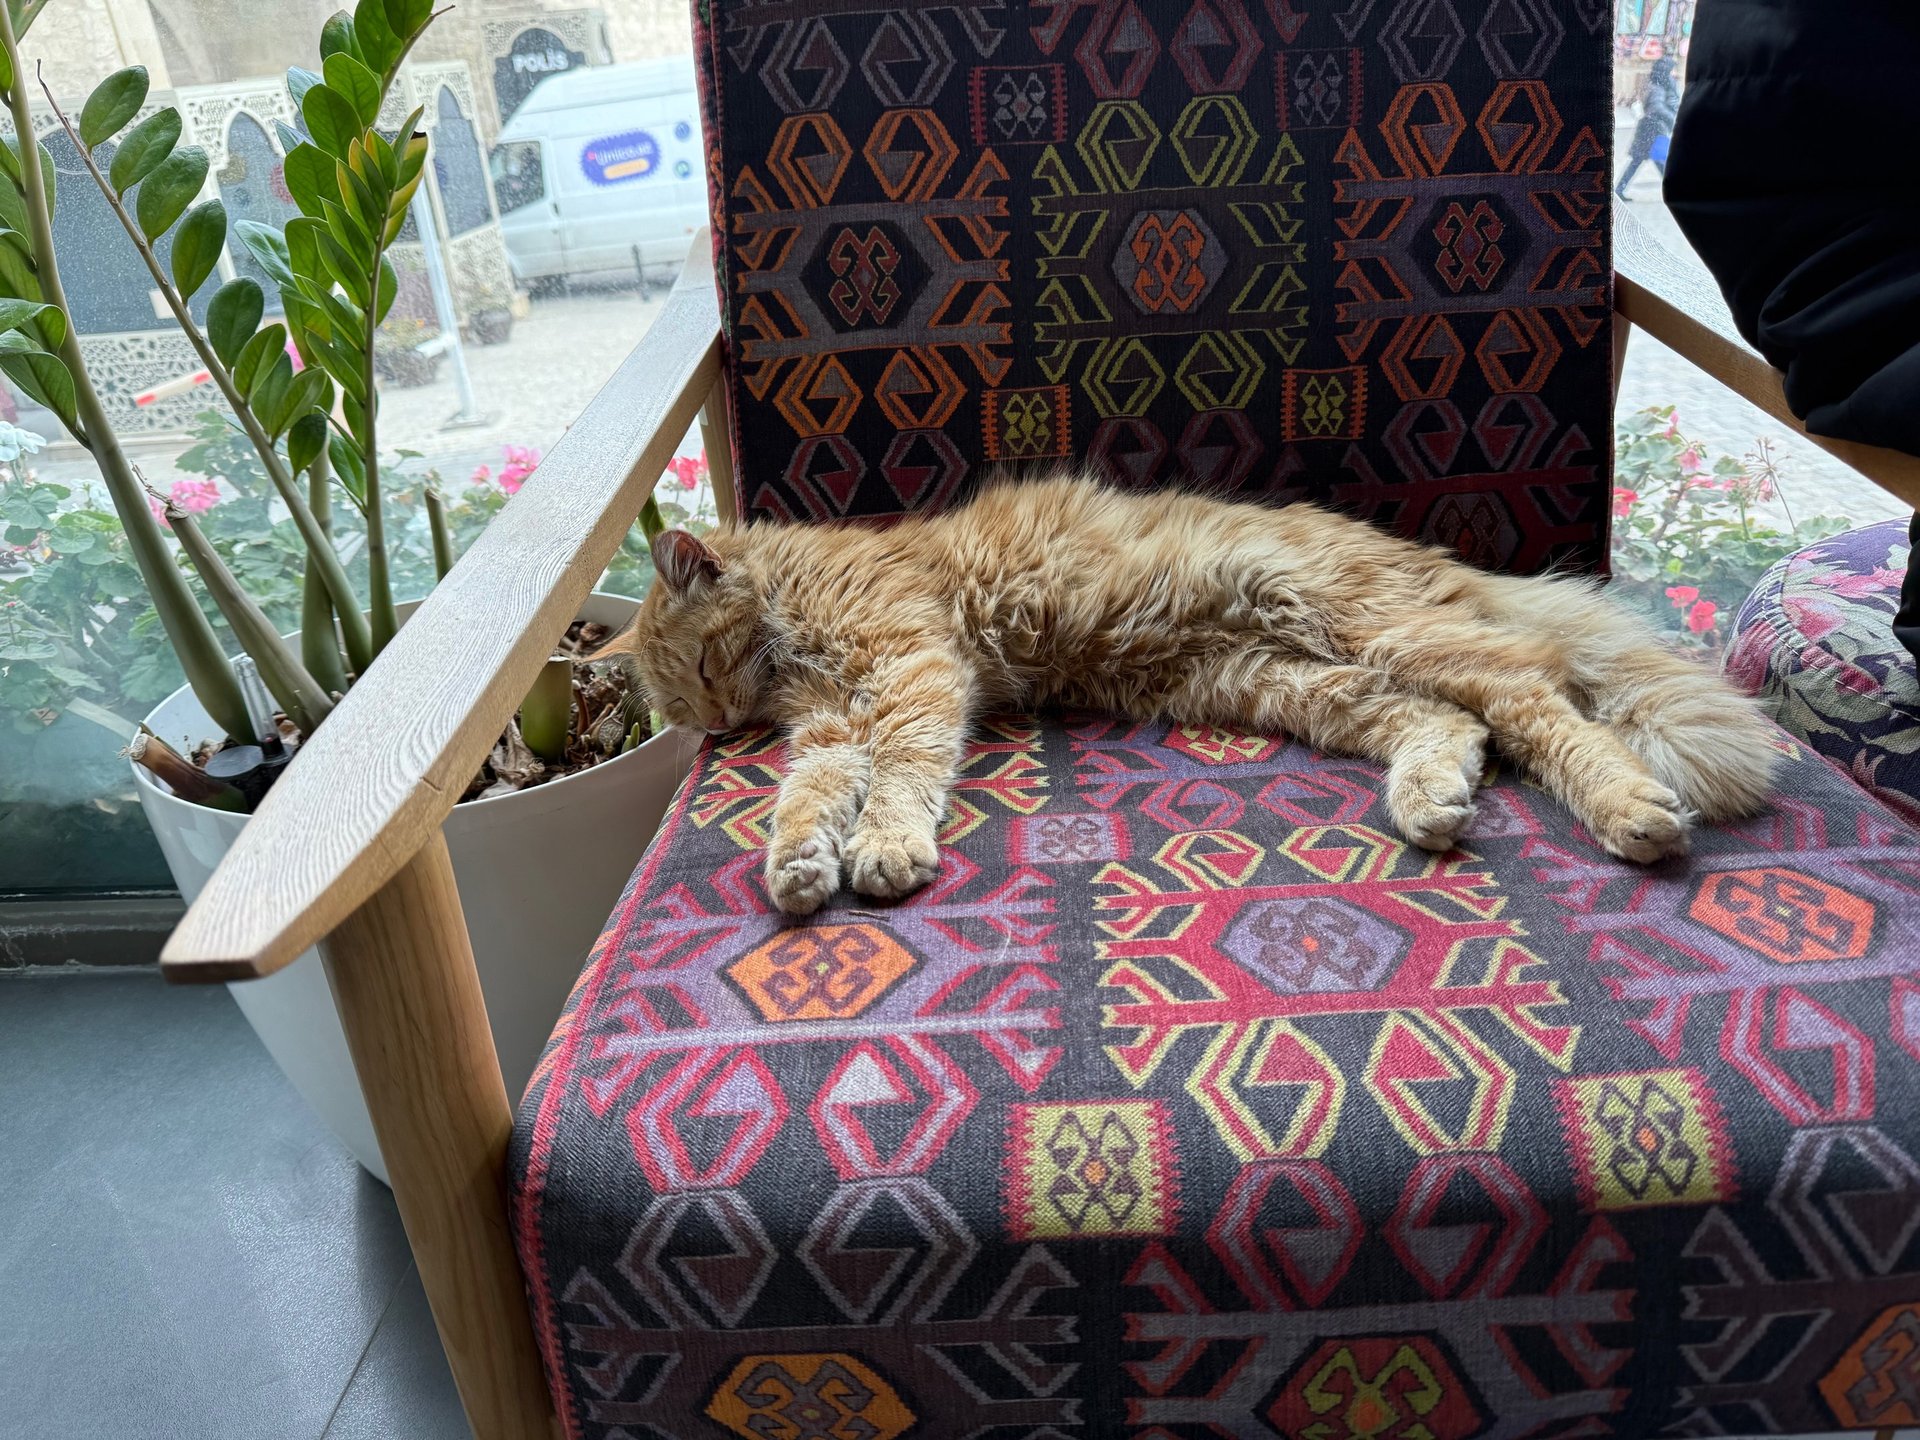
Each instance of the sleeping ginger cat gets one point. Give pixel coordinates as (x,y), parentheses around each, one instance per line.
(875,648)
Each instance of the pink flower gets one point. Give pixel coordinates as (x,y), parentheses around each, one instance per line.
(1700,618)
(196,497)
(1690,462)
(1750,660)
(482,474)
(1814,619)
(520,462)
(1858,587)
(1682,595)
(1623,501)
(688,470)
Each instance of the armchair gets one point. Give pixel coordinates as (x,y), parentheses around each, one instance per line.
(1187,1101)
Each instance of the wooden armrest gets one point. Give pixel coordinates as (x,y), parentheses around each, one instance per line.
(1676,301)
(379,777)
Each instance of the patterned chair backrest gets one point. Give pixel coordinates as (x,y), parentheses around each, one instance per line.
(1357,252)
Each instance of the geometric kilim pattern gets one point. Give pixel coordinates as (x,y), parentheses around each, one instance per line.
(1355,252)
(1189,1102)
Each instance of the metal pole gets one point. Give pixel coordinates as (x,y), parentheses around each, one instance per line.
(428,225)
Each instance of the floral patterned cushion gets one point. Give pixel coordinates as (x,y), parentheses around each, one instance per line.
(1815,642)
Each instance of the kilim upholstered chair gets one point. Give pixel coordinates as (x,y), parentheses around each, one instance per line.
(1187,1101)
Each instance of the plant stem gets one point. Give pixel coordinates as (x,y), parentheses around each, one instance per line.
(295,690)
(320,549)
(319,646)
(182,776)
(437,527)
(188,630)
(545,712)
(379,579)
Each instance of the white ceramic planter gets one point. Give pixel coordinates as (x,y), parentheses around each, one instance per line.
(539,872)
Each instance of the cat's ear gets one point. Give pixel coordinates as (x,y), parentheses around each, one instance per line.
(684,561)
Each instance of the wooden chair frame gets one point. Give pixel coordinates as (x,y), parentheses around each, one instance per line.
(347,850)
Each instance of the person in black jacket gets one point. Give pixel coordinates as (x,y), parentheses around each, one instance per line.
(1794,174)
(1656,123)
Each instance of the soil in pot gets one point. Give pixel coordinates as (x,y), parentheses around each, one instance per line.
(610,717)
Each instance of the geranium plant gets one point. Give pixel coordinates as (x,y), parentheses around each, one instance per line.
(1692,536)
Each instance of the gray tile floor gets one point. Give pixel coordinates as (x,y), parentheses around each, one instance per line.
(185,1253)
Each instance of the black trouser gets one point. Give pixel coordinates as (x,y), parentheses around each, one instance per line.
(1791,174)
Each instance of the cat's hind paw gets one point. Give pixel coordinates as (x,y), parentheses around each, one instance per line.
(804,876)
(1644,824)
(888,863)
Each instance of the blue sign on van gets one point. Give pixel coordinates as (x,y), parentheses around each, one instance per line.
(633,155)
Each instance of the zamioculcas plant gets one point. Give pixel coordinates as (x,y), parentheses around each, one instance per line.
(336,285)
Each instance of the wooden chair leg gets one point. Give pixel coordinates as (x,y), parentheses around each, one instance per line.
(402,974)
(717,435)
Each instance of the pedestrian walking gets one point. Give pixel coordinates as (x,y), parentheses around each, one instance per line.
(1657,114)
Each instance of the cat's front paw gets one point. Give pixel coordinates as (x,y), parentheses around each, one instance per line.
(803,874)
(1643,822)
(887,862)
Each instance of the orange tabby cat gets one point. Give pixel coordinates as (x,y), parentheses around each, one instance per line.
(874,648)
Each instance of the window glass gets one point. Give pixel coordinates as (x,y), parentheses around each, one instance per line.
(519,177)
(481,372)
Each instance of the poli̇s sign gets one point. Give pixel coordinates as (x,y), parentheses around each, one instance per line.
(633,155)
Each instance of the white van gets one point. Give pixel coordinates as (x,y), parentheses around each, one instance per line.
(601,168)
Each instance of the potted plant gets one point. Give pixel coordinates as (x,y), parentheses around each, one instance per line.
(537,861)
(490,318)
(400,356)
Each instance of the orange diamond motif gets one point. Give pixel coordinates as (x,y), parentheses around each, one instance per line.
(827,972)
(809,1397)
(1785,915)
(1876,1385)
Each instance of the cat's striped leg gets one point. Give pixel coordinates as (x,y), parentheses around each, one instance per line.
(1513,682)
(827,776)
(1434,751)
(921,705)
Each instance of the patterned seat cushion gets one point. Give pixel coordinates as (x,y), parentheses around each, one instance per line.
(1188,1102)
(1353,252)
(1815,643)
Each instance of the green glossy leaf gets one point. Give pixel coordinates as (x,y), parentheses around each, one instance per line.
(356,415)
(340,266)
(303,246)
(310,180)
(359,84)
(39,374)
(146,145)
(344,228)
(197,246)
(299,81)
(348,467)
(380,48)
(343,363)
(307,320)
(336,36)
(233,316)
(406,18)
(269,391)
(290,138)
(256,356)
(347,319)
(388,293)
(13,200)
(268,247)
(18,276)
(306,439)
(6,71)
(310,392)
(384,157)
(330,119)
(113,103)
(25,12)
(359,200)
(47,321)
(167,192)
(413,155)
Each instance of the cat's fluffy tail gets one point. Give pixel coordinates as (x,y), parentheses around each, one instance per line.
(1704,740)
